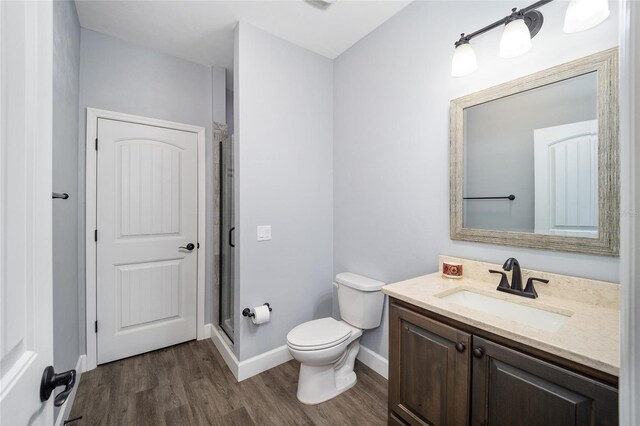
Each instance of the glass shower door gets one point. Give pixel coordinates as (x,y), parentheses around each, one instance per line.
(227,245)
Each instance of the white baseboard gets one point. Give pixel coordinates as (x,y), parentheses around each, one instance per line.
(224,346)
(376,362)
(242,370)
(263,362)
(206,332)
(65,410)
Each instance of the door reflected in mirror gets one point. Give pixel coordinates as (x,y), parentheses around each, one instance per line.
(541,146)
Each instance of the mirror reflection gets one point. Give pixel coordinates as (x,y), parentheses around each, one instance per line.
(531,161)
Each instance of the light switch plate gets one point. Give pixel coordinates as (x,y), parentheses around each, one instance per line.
(264,232)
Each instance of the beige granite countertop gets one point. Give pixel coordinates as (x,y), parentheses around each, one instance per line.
(589,337)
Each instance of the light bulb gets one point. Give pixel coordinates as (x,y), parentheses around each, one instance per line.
(464,60)
(584,14)
(516,39)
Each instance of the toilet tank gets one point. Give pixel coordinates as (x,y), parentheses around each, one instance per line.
(360,300)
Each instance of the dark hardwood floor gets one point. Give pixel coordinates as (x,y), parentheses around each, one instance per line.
(190,384)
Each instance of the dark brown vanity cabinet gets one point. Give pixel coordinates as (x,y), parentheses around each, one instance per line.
(510,388)
(440,374)
(429,370)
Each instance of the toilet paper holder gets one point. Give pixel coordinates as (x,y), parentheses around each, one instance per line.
(246,312)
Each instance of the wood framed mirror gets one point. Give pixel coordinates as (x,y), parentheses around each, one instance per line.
(534,161)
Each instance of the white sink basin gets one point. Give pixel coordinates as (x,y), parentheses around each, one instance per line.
(527,315)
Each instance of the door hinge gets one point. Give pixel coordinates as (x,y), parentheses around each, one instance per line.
(96,144)
(95,235)
(96,326)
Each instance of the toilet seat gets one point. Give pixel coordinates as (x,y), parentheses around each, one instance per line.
(318,334)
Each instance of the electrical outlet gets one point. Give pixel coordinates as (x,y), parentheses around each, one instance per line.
(264,232)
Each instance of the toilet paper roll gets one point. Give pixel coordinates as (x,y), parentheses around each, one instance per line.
(261,314)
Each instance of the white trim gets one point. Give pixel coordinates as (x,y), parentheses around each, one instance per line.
(65,410)
(207,331)
(201,332)
(630,214)
(374,361)
(263,362)
(90,247)
(223,345)
(243,370)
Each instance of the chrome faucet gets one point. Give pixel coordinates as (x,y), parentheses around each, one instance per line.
(515,287)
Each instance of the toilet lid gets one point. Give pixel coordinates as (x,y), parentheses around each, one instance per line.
(319,334)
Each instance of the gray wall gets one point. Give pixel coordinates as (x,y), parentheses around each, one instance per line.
(498,149)
(391,139)
(118,76)
(219,94)
(66,77)
(229,111)
(283,127)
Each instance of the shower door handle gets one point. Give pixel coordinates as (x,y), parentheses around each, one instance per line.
(231,236)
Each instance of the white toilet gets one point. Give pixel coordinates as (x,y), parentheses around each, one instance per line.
(326,348)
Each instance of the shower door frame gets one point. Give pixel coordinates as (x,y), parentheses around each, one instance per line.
(222,232)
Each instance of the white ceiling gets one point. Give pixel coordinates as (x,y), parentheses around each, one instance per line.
(202,31)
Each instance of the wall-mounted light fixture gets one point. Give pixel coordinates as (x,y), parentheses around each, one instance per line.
(584,14)
(464,59)
(519,29)
(521,26)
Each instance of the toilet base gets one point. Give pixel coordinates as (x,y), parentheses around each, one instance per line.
(318,384)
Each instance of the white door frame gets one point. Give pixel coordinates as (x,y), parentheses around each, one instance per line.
(630,213)
(90,245)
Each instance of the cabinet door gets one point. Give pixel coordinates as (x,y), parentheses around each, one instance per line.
(429,370)
(510,388)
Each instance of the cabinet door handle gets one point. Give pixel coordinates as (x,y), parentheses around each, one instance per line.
(478,352)
(460,347)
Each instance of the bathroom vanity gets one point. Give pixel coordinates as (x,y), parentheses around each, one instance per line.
(461,352)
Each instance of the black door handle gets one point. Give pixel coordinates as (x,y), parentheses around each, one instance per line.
(230,235)
(51,380)
(189,247)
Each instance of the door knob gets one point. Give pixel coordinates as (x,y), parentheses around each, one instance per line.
(51,380)
(189,247)
(460,347)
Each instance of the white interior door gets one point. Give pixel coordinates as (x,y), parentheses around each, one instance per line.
(26,333)
(566,179)
(146,211)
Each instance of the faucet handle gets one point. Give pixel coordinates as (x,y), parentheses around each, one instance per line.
(530,290)
(504,281)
